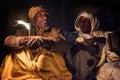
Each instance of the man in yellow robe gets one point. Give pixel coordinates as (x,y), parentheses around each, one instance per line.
(35,57)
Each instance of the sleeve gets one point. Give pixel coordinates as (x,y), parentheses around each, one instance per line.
(12,41)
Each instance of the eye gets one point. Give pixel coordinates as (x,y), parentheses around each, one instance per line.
(87,20)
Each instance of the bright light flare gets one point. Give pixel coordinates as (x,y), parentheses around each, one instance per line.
(27,25)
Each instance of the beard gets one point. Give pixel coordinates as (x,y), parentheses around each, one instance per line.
(41,29)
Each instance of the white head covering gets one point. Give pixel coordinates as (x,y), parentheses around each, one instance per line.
(94,21)
(94,25)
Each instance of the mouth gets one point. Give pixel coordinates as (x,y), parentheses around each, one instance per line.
(44,22)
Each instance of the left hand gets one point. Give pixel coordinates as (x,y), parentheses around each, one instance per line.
(37,41)
(55,35)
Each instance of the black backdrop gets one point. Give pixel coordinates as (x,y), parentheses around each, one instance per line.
(62,14)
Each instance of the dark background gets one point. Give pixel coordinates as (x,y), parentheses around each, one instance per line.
(62,14)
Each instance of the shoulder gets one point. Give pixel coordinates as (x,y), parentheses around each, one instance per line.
(99,33)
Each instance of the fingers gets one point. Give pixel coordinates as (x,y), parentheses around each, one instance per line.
(34,44)
(23,41)
(61,36)
(37,41)
(56,39)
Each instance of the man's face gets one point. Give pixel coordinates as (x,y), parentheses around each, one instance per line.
(40,22)
(84,24)
(41,19)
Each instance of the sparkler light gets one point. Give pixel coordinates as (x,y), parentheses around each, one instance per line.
(27,25)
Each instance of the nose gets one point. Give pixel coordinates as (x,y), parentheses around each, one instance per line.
(44,17)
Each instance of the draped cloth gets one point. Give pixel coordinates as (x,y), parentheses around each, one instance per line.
(109,71)
(20,65)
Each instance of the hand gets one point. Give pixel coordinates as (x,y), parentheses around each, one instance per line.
(88,42)
(23,41)
(37,41)
(55,35)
